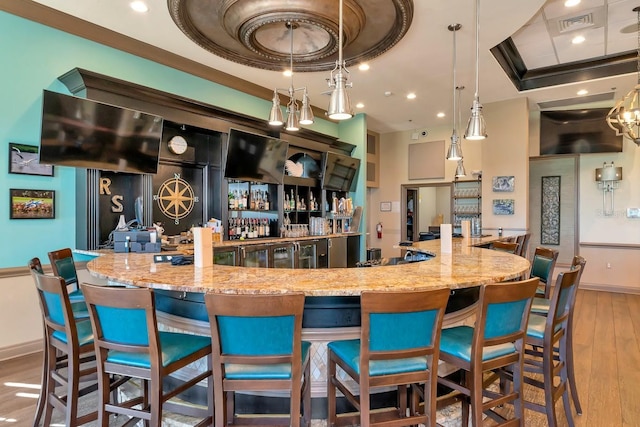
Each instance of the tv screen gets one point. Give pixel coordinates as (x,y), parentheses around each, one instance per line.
(339,171)
(253,157)
(88,134)
(577,131)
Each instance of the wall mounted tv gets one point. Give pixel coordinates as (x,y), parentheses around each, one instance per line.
(89,134)
(253,157)
(577,131)
(339,171)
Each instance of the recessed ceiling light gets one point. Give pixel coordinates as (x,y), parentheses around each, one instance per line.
(440,115)
(359,105)
(139,6)
(411,95)
(582,92)
(578,40)
(388,93)
(571,3)
(363,67)
(287,73)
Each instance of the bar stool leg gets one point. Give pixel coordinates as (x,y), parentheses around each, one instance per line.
(570,367)
(547,372)
(42,399)
(476,396)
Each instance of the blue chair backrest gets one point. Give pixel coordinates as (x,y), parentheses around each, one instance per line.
(54,307)
(399,331)
(541,267)
(256,336)
(123,325)
(504,318)
(67,270)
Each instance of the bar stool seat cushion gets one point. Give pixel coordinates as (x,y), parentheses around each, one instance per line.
(85,334)
(540,306)
(457,342)
(174,346)
(76,296)
(536,326)
(280,371)
(349,352)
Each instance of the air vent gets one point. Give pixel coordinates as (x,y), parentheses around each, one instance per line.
(575,23)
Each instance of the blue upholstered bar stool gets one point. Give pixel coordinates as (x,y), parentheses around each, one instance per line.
(128,346)
(496,341)
(541,306)
(63,265)
(257,347)
(68,355)
(398,347)
(542,265)
(547,349)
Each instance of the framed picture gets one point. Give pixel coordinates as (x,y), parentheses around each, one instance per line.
(23,159)
(502,183)
(32,204)
(503,206)
(385,206)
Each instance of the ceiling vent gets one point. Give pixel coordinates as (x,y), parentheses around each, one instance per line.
(586,19)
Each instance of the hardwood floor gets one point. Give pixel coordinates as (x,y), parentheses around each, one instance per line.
(607,355)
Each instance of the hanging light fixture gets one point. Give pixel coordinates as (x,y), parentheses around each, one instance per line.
(624,117)
(293,122)
(455,149)
(476,128)
(340,104)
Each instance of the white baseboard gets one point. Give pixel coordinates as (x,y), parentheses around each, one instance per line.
(609,288)
(21,349)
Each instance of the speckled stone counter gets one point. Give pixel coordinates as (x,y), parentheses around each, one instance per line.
(467,266)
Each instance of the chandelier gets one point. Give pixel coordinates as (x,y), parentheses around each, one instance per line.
(295,118)
(624,117)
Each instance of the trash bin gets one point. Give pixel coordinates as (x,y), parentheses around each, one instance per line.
(374,254)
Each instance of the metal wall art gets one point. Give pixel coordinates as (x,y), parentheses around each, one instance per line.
(550,211)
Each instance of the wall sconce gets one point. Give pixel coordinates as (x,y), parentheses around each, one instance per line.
(608,178)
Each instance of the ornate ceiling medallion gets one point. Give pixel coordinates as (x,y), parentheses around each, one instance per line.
(254,32)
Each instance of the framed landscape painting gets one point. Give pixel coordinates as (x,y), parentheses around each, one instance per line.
(32,204)
(23,159)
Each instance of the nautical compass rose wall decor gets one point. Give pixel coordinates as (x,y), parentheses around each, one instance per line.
(176,198)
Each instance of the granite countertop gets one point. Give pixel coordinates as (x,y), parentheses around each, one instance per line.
(466,266)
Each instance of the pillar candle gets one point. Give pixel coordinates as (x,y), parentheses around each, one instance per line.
(202,247)
(446,244)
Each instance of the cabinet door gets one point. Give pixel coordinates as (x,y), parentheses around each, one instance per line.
(283,255)
(307,254)
(255,256)
(337,252)
(225,257)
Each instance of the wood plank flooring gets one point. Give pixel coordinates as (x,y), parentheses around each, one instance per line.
(607,355)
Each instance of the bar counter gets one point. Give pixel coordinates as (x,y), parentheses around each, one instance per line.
(467,266)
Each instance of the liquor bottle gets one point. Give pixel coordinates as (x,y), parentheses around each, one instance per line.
(287,205)
(266,200)
(292,202)
(267,231)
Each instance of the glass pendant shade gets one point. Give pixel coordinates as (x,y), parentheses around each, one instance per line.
(455,149)
(292,118)
(275,116)
(306,114)
(476,128)
(340,104)
(460,172)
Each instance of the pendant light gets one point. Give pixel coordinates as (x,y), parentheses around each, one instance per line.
(460,171)
(340,104)
(476,128)
(455,149)
(293,122)
(624,117)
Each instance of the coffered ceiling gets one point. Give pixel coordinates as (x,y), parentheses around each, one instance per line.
(525,47)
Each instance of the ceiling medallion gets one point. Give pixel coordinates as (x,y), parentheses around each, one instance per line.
(254,32)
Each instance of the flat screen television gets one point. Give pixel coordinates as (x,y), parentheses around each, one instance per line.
(83,133)
(577,131)
(253,157)
(339,171)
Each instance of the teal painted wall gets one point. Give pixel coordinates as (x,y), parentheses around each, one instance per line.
(34,56)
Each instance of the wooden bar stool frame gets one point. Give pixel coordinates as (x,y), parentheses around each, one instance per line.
(63,265)
(151,361)
(372,353)
(260,367)
(68,353)
(510,247)
(506,340)
(542,265)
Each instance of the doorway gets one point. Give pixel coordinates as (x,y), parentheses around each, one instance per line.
(425,206)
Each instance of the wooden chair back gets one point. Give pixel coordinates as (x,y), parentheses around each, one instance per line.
(542,266)
(523,240)
(510,247)
(63,265)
